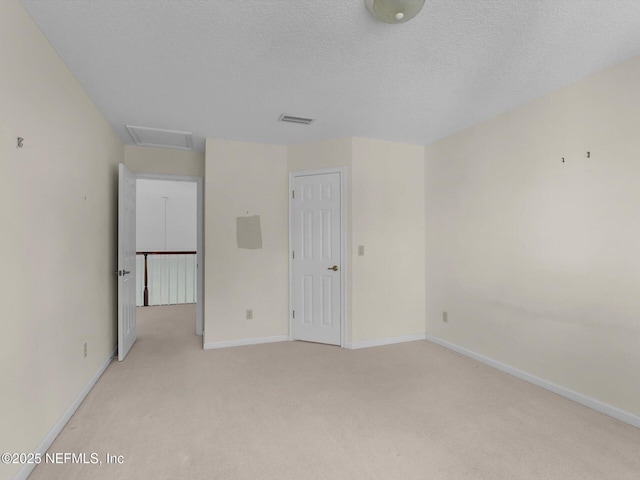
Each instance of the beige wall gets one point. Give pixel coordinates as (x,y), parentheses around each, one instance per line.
(317,155)
(385,213)
(389,221)
(164,161)
(384,185)
(536,261)
(245,179)
(57,247)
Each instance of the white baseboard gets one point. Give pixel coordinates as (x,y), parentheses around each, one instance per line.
(246,341)
(385,341)
(46,442)
(592,403)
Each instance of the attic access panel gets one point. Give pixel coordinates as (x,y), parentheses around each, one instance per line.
(156,137)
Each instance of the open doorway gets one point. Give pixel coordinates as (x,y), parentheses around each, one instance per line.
(169,242)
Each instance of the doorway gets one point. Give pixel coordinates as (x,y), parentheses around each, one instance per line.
(170,242)
(317,256)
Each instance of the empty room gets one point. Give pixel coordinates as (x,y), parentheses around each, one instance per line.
(339,239)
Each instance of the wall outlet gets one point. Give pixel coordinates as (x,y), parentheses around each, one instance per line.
(249,314)
(360,250)
(85,349)
(445,317)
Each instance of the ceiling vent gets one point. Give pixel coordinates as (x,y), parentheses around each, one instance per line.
(155,137)
(292,119)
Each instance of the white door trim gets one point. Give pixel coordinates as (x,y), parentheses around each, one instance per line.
(342,171)
(200,237)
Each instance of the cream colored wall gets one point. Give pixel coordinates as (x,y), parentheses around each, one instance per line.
(57,247)
(164,161)
(385,213)
(324,154)
(389,221)
(245,179)
(536,261)
(331,154)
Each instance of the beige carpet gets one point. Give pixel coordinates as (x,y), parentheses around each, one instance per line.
(300,411)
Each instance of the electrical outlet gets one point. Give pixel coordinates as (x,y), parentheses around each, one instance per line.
(445,317)
(85,349)
(360,250)
(249,314)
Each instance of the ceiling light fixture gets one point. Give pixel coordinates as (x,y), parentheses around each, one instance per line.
(394,11)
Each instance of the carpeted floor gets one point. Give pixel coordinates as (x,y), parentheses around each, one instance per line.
(298,410)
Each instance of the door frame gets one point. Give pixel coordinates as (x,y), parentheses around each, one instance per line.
(342,171)
(199,237)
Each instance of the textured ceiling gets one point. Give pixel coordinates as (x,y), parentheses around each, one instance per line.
(229,68)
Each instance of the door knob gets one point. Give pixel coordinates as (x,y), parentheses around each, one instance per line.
(334,268)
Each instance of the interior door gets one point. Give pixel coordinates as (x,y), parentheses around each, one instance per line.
(126,261)
(317,259)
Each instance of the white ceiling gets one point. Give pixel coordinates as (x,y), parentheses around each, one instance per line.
(229,68)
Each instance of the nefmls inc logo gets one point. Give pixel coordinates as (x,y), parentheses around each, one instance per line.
(69,457)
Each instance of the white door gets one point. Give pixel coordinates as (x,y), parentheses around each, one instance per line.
(317,258)
(126,261)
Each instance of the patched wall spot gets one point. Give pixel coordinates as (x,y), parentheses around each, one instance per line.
(248,232)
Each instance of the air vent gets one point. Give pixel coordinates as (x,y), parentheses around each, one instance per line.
(292,119)
(155,137)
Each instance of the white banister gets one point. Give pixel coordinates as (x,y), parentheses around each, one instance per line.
(171,278)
